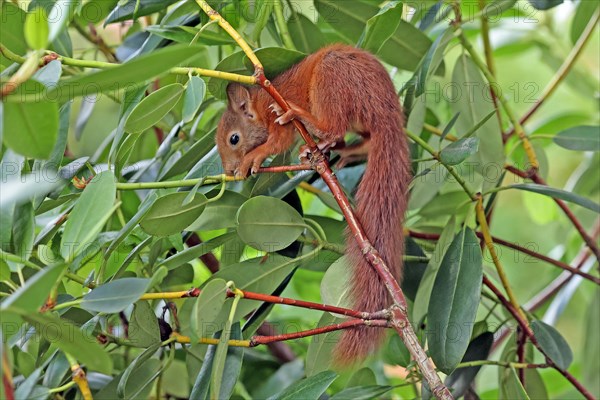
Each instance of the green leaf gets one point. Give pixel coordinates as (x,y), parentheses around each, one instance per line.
(194,95)
(194,252)
(143,325)
(423,296)
(460,379)
(348,18)
(559,194)
(169,216)
(256,275)
(382,26)
(233,364)
(68,338)
(220,214)
(581,138)
(115,296)
(93,208)
(585,11)
(284,376)
(60,15)
(307,37)
(457,152)
(23,227)
(471,97)
(123,388)
(553,344)
(335,285)
(510,386)
(263,9)
(127,75)
(433,60)
(12,30)
(362,392)
(454,301)
(133,9)
(31,297)
(320,349)
(31,128)
(406,48)
(268,224)
(36,29)
(153,108)
(207,308)
(308,388)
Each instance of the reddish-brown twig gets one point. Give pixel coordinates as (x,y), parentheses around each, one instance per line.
(376,323)
(524,250)
(285,168)
(529,332)
(310,305)
(535,177)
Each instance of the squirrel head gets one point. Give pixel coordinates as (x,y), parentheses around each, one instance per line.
(241,128)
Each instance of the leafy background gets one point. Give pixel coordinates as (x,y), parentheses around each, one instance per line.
(140,123)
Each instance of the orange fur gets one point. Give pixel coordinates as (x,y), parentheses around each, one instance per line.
(336,89)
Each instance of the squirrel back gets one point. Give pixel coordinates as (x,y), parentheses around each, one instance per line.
(336,89)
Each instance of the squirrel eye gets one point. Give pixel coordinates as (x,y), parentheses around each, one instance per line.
(234,139)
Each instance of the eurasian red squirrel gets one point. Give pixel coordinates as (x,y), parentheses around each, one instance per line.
(336,89)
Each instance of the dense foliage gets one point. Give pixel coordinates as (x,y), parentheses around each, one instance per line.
(114,208)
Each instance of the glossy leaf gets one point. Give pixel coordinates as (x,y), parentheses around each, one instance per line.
(457,152)
(153,108)
(30,128)
(192,100)
(115,296)
(554,345)
(12,30)
(32,296)
(194,252)
(268,224)
(320,349)
(36,29)
(256,275)
(89,215)
(309,388)
(454,301)
(307,37)
(143,325)
(68,338)
(510,386)
(559,194)
(133,9)
(585,11)
(382,26)
(423,295)
(233,364)
(168,215)
(60,15)
(207,307)
(460,380)
(581,138)
(470,94)
(126,75)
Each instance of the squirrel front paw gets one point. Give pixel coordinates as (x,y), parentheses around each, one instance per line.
(283,117)
(305,154)
(250,163)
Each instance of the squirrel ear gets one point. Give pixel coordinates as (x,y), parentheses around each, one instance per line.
(238,96)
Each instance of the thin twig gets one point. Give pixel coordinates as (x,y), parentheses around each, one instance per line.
(562,72)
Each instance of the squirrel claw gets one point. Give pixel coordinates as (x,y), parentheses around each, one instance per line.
(276,109)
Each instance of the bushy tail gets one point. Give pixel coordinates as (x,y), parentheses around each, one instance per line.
(381,203)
